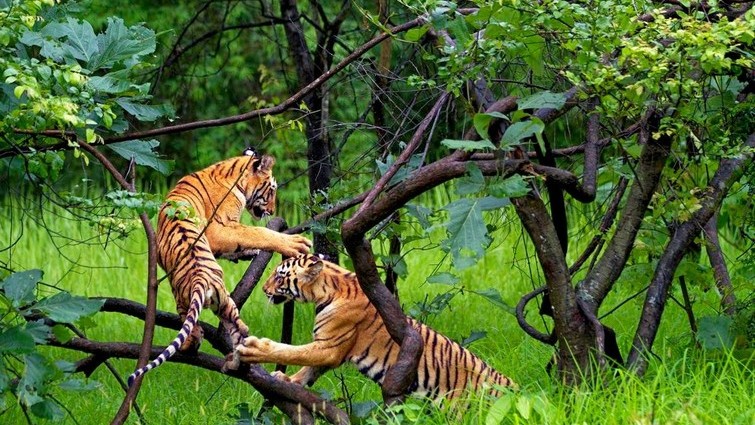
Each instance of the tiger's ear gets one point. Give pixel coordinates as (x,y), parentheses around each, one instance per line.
(250,151)
(264,164)
(313,268)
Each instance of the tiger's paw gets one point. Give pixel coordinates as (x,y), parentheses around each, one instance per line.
(232,361)
(294,245)
(254,350)
(281,376)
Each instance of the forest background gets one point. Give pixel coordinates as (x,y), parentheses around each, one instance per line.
(426,145)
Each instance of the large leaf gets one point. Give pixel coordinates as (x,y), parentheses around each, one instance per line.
(66,308)
(544,99)
(121,44)
(473,182)
(492,295)
(714,332)
(512,187)
(467,234)
(482,122)
(20,287)
(16,340)
(144,112)
(500,409)
(521,130)
(142,153)
(38,330)
(48,409)
(80,41)
(467,145)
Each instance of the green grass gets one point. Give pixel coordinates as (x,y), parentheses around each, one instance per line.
(684,386)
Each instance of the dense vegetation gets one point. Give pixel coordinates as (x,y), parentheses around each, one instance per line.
(468,160)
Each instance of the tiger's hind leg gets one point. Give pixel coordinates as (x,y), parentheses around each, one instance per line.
(194,339)
(237,329)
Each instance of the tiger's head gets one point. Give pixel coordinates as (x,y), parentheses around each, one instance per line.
(260,185)
(294,279)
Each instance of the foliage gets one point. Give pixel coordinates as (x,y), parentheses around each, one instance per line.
(60,75)
(27,376)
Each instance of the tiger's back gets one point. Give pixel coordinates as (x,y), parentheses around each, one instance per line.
(349,328)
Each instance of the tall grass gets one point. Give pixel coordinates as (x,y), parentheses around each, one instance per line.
(683,386)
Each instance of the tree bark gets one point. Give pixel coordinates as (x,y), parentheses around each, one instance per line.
(684,234)
(320,165)
(597,284)
(718,262)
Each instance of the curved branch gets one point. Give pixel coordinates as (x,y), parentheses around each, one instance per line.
(530,330)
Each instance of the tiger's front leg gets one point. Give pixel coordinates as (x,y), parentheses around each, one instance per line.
(315,354)
(237,237)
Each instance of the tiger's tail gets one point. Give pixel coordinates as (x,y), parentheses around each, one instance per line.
(197,301)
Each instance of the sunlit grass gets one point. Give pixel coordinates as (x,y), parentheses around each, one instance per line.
(683,386)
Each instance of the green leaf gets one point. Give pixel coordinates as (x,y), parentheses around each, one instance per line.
(16,340)
(37,370)
(415,161)
(415,34)
(714,332)
(482,122)
(524,407)
(143,154)
(421,213)
(4,380)
(443,279)
(500,409)
(80,43)
(38,330)
(121,44)
(48,409)
(544,99)
(79,385)
(492,295)
(521,130)
(473,182)
(467,234)
(144,112)
(108,84)
(467,145)
(20,287)
(66,308)
(512,187)
(473,336)
(62,333)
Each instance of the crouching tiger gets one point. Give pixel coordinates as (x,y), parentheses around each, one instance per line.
(349,328)
(199,223)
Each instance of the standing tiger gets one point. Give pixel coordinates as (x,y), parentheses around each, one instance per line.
(349,328)
(200,222)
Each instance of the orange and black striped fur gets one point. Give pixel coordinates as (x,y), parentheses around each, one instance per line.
(199,223)
(349,328)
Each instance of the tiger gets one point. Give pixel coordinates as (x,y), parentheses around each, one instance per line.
(348,328)
(198,223)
